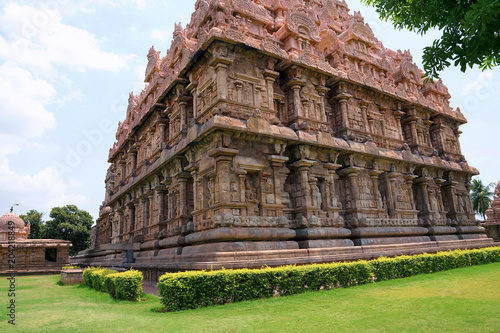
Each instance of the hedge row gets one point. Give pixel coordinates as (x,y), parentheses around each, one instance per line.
(126,285)
(193,289)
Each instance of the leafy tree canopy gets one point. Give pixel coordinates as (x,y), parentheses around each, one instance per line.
(470,30)
(70,223)
(481,196)
(34,217)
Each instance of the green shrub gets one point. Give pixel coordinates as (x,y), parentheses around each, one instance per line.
(126,285)
(98,278)
(193,289)
(87,275)
(70,267)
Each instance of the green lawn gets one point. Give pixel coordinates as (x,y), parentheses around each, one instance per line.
(461,300)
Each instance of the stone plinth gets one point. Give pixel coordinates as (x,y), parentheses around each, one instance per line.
(72,276)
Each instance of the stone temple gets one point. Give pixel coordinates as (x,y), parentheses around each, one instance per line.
(492,224)
(21,255)
(278,132)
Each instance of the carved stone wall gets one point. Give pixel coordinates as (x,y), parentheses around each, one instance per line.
(282,126)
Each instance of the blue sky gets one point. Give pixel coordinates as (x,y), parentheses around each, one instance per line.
(66,68)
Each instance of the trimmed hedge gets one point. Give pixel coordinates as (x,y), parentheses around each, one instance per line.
(69,267)
(126,285)
(193,289)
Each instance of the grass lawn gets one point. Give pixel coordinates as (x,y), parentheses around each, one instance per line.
(461,300)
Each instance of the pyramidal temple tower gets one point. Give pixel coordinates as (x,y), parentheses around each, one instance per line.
(282,131)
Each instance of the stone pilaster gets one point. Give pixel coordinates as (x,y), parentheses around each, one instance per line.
(220,64)
(296,85)
(342,98)
(322,90)
(277,163)
(223,157)
(333,205)
(270,77)
(363,105)
(304,199)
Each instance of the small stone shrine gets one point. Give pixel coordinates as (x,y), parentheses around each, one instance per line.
(492,223)
(279,132)
(21,255)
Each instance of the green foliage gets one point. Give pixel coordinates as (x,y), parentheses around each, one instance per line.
(481,196)
(37,226)
(126,285)
(193,289)
(87,275)
(70,267)
(470,30)
(70,223)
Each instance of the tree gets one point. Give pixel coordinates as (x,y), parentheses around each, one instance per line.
(70,223)
(470,30)
(34,217)
(481,196)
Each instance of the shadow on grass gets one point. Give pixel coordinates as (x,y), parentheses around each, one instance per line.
(159,309)
(60,283)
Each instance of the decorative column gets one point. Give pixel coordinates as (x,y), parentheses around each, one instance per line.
(239,90)
(183,115)
(412,121)
(374,174)
(423,183)
(382,110)
(333,205)
(241,180)
(351,172)
(119,229)
(342,98)
(144,211)
(409,184)
(277,162)
(270,77)
(162,126)
(131,214)
(220,64)
(296,84)
(192,90)
(182,178)
(363,105)
(133,154)
(391,197)
(160,191)
(304,200)
(123,165)
(450,189)
(151,200)
(397,116)
(322,90)
(222,156)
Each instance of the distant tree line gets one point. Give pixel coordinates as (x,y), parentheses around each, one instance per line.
(68,223)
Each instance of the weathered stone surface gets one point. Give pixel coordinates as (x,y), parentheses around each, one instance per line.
(287,128)
(72,276)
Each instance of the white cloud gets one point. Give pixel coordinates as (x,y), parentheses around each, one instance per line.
(75,95)
(37,39)
(43,190)
(161,34)
(485,83)
(90,6)
(23,102)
